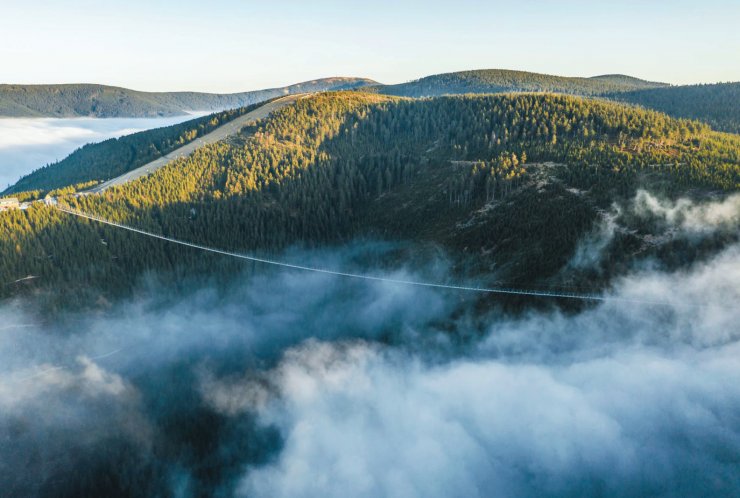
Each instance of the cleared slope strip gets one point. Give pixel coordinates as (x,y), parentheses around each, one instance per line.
(220,133)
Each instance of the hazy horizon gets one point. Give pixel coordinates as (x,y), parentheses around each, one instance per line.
(282,85)
(177,47)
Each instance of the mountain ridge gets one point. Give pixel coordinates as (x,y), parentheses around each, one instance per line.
(715,104)
(507,80)
(507,185)
(102,101)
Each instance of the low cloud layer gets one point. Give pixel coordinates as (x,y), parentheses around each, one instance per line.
(122,390)
(688,215)
(656,221)
(295,384)
(28,144)
(624,399)
(359,422)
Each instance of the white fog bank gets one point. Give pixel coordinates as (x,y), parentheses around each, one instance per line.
(27,144)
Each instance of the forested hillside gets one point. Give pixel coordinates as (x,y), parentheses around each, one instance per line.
(113,157)
(505,185)
(106,101)
(501,80)
(718,105)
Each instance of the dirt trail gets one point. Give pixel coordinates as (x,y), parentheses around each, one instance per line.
(220,133)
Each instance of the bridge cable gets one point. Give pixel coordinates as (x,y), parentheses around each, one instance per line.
(362,276)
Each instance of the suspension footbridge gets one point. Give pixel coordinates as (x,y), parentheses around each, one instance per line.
(362,276)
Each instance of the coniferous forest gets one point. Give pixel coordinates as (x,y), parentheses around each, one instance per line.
(507,185)
(115,156)
(101,101)
(717,104)
(405,276)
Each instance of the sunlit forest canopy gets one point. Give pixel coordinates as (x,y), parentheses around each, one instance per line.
(341,165)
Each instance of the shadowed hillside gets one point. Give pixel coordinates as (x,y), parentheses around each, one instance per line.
(718,104)
(505,185)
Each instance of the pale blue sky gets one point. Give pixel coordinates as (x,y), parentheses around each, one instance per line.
(234,45)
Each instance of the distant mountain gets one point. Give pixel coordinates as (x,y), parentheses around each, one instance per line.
(626,81)
(502,80)
(718,104)
(102,101)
